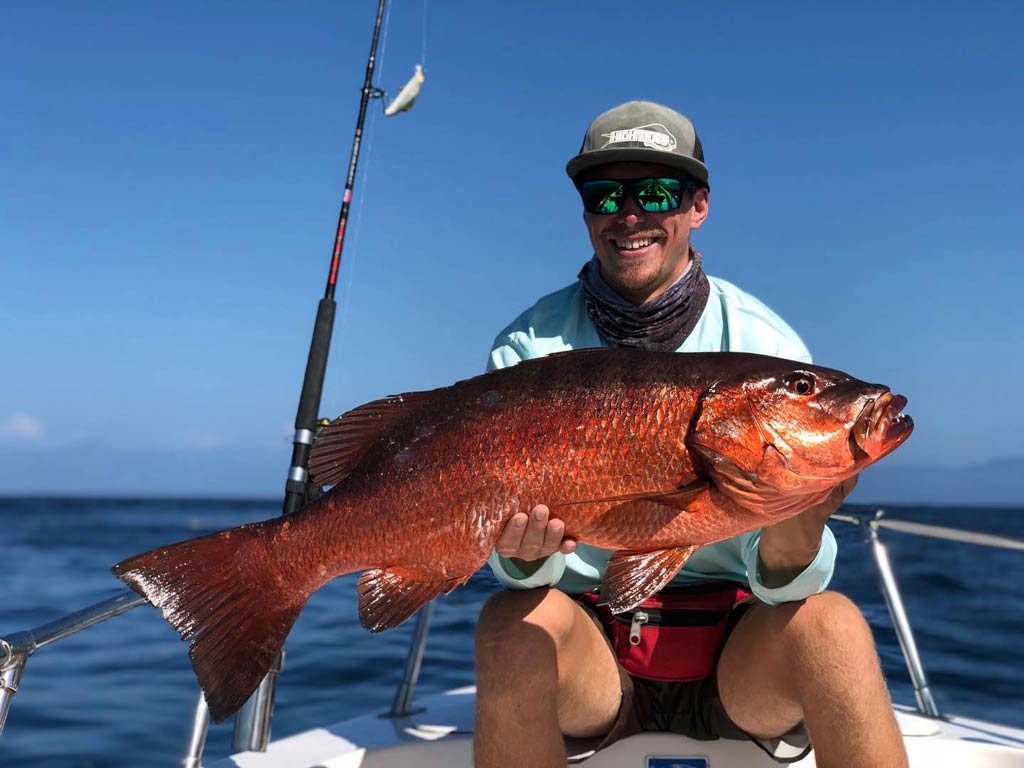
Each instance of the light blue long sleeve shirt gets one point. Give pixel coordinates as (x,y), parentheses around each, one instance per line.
(732,321)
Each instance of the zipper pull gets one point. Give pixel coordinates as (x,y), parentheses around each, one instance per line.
(639,619)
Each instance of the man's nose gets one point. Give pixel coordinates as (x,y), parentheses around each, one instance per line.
(630,213)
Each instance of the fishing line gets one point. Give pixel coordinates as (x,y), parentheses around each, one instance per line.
(384,42)
(349,276)
(423,51)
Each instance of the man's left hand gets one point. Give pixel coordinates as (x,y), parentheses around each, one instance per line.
(787,548)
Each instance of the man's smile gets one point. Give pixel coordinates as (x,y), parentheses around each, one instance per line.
(632,245)
(636,244)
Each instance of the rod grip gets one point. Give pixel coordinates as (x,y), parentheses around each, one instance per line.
(316,366)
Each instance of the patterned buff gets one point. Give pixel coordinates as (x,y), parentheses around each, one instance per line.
(659,325)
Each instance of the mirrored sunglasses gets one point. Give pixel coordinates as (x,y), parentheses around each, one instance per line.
(654,195)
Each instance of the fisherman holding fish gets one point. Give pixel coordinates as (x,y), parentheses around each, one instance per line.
(745,643)
(693,489)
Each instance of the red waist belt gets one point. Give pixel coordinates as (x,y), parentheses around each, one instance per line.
(676,634)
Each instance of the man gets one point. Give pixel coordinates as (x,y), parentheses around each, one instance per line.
(798,662)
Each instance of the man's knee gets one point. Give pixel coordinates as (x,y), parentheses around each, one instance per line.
(790,649)
(827,612)
(830,621)
(515,621)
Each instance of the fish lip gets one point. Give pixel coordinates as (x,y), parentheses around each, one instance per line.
(880,428)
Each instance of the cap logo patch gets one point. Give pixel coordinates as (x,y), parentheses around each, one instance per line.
(653,136)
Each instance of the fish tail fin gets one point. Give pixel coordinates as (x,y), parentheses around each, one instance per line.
(233,596)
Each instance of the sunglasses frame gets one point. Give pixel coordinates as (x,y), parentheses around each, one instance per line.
(633,188)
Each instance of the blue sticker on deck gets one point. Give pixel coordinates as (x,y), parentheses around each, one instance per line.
(676,762)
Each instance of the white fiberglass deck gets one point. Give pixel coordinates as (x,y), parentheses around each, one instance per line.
(441,735)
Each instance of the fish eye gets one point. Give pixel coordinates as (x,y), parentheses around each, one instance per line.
(802,383)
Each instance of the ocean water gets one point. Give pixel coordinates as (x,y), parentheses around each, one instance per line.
(122,693)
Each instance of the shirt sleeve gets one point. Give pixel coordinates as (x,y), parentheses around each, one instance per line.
(502,356)
(511,577)
(812,580)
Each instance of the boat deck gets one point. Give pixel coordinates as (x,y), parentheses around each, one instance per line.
(441,735)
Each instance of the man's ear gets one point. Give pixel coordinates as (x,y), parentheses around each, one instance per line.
(699,210)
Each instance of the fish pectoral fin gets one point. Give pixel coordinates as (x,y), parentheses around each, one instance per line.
(632,577)
(681,498)
(678,498)
(389,596)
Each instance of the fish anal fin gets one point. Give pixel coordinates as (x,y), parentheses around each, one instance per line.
(632,577)
(389,596)
(342,444)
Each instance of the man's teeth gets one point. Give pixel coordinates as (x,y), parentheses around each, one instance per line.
(632,245)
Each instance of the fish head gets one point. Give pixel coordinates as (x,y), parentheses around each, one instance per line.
(796,428)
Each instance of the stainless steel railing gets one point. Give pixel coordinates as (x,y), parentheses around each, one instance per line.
(15,649)
(402,704)
(252,723)
(891,593)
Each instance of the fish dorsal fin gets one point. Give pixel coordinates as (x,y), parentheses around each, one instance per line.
(632,577)
(342,443)
(389,596)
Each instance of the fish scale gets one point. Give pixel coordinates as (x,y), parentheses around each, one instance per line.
(647,454)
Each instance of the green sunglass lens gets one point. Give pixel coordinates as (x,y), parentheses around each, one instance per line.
(659,195)
(602,196)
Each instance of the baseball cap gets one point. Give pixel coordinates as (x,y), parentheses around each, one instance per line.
(641,131)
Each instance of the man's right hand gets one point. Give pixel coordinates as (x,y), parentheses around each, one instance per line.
(534,536)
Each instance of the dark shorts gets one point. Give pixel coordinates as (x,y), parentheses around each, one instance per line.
(693,708)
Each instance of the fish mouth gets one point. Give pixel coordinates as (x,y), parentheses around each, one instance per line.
(881,428)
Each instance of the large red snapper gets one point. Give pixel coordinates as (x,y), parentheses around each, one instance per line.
(645,453)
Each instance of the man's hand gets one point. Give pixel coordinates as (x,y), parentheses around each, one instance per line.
(528,539)
(787,548)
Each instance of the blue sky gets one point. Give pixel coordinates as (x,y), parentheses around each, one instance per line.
(172,174)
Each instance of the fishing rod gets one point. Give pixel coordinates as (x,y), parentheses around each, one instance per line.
(298,490)
(252,724)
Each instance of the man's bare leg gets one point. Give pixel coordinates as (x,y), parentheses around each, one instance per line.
(814,660)
(543,669)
